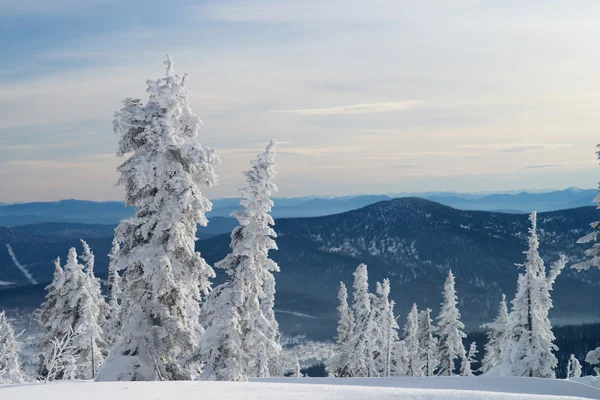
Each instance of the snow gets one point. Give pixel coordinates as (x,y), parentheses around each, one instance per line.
(439,388)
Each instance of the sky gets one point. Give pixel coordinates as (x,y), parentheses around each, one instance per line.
(363,96)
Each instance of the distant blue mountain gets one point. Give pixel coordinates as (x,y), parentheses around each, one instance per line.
(110,213)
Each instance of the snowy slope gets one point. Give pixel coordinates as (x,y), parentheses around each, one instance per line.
(322,389)
(530,386)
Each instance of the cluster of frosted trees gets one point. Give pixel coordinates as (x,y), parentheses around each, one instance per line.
(368,342)
(162,321)
(520,343)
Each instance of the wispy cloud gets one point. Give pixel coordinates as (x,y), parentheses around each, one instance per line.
(532,147)
(356,109)
(544,166)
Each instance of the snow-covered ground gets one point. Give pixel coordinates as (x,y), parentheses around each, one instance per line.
(311,389)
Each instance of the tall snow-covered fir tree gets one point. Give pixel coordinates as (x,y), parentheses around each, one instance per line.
(344,332)
(496,338)
(90,340)
(10,365)
(113,319)
(530,342)
(243,337)
(415,364)
(165,277)
(593,253)
(466,366)
(385,329)
(73,305)
(428,343)
(450,330)
(401,361)
(55,320)
(356,357)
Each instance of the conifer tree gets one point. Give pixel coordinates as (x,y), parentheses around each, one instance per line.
(344,332)
(10,365)
(593,358)
(113,320)
(165,277)
(450,330)
(593,253)
(54,318)
(385,329)
(297,369)
(466,368)
(428,344)
(496,336)
(530,341)
(356,358)
(573,367)
(243,339)
(415,363)
(90,342)
(400,359)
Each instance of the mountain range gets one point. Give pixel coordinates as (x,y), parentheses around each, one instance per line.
(412,241)
(111,212)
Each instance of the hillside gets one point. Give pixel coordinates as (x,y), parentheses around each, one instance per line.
(412,241)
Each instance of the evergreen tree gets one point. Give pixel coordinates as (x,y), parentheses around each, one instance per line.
(415,364)
(428,344)
(72,309)
(593,253)
(297,369)
(573,367)
(593,358)
(113,320)
(530,341)
(90,342)
(243,338)
(54,318)
(165,277)
(356,358)
(10,366)
(385,329)
(466,368)
(344,332)
(496,336)
(450,330)
(400,359)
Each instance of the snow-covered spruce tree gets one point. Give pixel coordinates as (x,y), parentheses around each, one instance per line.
(400,359)
(113,320)
(344,332)
(428,343)
(415,364)
(593,358)
(90,340)
(71,307)
(496,335)
(386,329)
(297,369)
(54,318)
(356,358)
(450,330)
(165,277)
(466,366)
(573,367)
(592,253)
(10,366)
(530,342)
(243,338)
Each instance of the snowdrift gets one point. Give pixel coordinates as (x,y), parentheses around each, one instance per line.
(311,389)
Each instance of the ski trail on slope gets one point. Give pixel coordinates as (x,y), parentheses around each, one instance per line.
(24,270)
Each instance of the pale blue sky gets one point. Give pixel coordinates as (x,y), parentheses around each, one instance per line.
(364,96)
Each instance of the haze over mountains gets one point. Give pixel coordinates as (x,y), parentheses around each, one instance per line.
(412,241)
(112,212)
